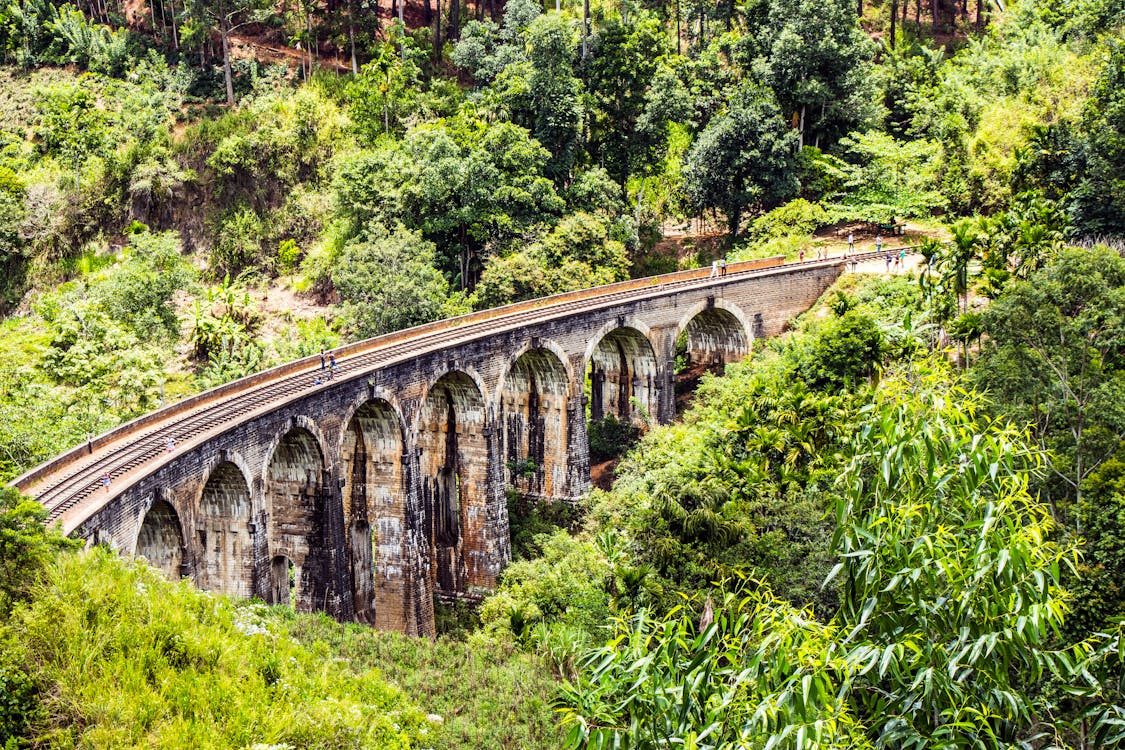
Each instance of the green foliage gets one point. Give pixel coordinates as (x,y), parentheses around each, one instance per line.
(581,251)
(486,694)
(610,438)
(743,159)
(175,667)
(27,547)
(1055,361)
(797,217)
(946,572)
(387,281)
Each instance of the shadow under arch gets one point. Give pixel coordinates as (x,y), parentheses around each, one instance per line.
(714,333)
(160,539)
(375,514)
(621,375)
(295,498)
(226,561)
(453,467)
(533,398)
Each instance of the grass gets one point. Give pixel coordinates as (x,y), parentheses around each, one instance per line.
(122,658)
(489,695)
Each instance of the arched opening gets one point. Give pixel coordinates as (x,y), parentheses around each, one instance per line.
(621,377)
(160,540)
(710,341)
(282,581)
(226,562)
(295,497)
(375,515)
(454,470)
(533,404)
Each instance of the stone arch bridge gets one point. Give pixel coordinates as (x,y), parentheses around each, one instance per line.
(367,494)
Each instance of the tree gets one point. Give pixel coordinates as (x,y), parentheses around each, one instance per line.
(950,597)
(818,67)
(27,545)
(618,77)
(745,157)
(554,90)
(387,281)
(1057,361)
(229,16)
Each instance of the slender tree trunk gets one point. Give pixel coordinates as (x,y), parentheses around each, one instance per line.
(351,35)
(730,14)
(152,7)
(980,14)
(437,29)
(224,30)
(894,18)
(917,12)
(859,8)
(586,27)
(428,13)
(454,30)
(308,25)
(402,25)
(934,8)
(175,33)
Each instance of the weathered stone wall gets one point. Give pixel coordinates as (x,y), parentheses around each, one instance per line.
(366,496)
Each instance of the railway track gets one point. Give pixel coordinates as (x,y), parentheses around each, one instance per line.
(78,477)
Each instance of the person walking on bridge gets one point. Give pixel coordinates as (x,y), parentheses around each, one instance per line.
(722,267)
(714,269)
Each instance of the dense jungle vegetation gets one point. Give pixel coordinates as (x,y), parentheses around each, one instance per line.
(898,525)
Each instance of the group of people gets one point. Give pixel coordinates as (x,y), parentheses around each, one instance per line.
(327,363)
(718,268)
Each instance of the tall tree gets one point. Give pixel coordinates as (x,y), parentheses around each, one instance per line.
(228,16)
(743,158)
(1057,362)
(818,67)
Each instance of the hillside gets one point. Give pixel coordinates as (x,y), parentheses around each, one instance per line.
(900,520)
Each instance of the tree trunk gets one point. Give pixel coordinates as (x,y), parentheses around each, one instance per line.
(427,12)
(351,35)
(454,20)
(917,12)
(437,29)
(586,27)
(980,14)
(175,33)
(894,19)
(859,8)
(934,9)
(224,30)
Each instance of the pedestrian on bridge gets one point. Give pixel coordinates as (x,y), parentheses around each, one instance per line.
(851,243)
(322,360)
(722,266)
(714,269)
(331,366)
(878,243)
(105,481)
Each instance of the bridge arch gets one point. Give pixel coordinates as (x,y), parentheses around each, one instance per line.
(295,497)
(372,448)
(452,437)
(621,365)
(160,539)
(222,521)
(531,404)
(714,332)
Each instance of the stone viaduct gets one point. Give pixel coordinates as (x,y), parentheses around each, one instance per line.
(369,494)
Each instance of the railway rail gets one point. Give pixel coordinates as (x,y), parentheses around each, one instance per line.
(65,483)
